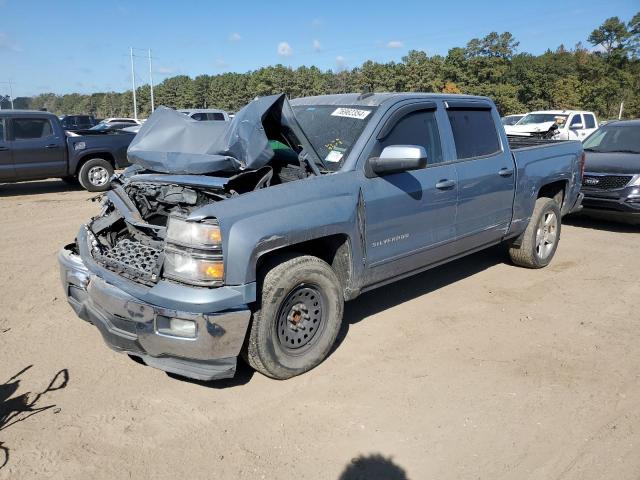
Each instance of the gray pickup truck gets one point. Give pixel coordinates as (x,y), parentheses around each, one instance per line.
(246,240)
(35,146)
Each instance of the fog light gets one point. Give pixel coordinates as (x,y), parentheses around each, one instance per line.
(178,327)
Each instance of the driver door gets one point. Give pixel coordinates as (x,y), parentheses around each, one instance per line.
(410,216)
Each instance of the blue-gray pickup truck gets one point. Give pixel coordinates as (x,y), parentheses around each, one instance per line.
(245,238)
(35,146)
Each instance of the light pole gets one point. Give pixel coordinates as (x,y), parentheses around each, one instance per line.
(133,81)
(153,107)
(10,93)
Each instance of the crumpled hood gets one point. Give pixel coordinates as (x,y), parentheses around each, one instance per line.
(171,142)
(529,128)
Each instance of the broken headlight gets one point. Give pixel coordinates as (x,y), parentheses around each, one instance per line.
(193,253)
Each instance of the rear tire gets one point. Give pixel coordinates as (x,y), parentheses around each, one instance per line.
(94,175)
(297,319)
(540,239)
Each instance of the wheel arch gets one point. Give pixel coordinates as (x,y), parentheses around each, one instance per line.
(336,250)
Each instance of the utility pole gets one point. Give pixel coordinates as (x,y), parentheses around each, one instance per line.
(10,93)
(620,112)
(133,81)
(153,107)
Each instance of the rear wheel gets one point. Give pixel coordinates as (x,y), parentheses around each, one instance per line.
(297,319)
(94,175)
(540,239)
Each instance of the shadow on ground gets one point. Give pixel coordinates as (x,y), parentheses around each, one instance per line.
(35,188)
(372,467)
(379,300)
(18,409)
(600,222)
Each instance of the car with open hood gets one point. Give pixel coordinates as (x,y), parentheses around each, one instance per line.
(245,238)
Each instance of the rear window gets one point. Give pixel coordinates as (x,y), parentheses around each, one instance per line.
(31,128)
(215,116)
(474,133)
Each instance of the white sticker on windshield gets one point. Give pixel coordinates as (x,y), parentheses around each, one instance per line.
(351,113)
(333,156)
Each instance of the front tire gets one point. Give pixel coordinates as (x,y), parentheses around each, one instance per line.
(297,319)
(94,175)
(540,239)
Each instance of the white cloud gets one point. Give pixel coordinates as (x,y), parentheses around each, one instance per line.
(7,43)
(165,70)
(235,37)
(395,44)
(341,62)
(317,46)
(284,49)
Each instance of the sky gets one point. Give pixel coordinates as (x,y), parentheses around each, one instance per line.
(83,46)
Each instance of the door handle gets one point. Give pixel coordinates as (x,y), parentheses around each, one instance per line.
(51,146)
(445,184)
(505,172)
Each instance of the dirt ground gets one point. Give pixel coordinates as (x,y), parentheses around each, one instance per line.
(477,369)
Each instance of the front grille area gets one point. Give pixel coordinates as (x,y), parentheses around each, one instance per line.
(605,182)
(132,260)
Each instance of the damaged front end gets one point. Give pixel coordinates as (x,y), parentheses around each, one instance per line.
(150,279)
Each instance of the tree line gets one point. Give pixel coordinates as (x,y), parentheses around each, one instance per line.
(565,78)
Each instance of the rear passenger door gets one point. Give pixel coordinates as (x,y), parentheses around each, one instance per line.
(6,162)
(38,152)
(576,127)
(590,125)
(485,175)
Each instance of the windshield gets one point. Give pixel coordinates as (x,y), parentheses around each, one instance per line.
(100,126)
(333,130)
(614,139)
(511,119)
(543,118)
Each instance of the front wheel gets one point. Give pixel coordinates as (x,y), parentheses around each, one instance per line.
(540,239)
(297,319)
(94,175)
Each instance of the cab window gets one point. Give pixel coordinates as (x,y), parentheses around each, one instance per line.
(31,128)
(417,128)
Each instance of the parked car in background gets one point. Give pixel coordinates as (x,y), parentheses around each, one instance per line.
(555,124)
(34,146)
(611,184)
(512,119)
(77,122)
(103,126)
(130,121)
(207,114)
(249,240)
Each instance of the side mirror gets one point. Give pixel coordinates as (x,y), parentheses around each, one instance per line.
(577,126)
(396,159)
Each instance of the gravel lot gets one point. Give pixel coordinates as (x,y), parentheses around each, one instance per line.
(477,369)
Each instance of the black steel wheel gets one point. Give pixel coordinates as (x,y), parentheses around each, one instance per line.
(297,317)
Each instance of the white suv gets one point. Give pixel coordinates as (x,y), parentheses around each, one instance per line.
(556,124)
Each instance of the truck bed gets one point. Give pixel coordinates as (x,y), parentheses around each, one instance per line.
(517,142)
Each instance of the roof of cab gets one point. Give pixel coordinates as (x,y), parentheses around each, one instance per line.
(375,99)
(634,122)
(8,113)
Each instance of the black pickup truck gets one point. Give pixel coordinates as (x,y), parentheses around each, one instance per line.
(35,146)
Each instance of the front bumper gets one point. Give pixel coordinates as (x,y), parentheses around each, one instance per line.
(623,204)
(129,324)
